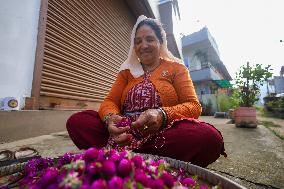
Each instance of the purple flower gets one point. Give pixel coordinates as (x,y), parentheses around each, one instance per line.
(188,182)
(123,154)
(141,178)
(84,186)
(157,184)
(124,167)
(53,186)
(92,168)
(99,184)
(115,183)
(65,159)
(168,179)
(48,177)
(115,157)
(91,154)
(71,180)
(124,122)
(138,161)
(101,155)
(35,165)
(203,187)
(108,168)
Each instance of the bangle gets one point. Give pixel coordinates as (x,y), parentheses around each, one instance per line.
(107,117)
(165,118)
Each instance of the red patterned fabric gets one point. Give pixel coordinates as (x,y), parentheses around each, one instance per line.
(141,97)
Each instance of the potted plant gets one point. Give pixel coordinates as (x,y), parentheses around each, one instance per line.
(249,79)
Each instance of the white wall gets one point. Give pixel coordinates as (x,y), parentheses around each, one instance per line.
(18,38)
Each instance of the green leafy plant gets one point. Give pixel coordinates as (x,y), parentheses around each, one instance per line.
(224,103)
(248,81)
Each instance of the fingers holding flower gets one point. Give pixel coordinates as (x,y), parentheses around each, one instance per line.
(149,121)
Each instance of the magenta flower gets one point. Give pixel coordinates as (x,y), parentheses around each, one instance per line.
(103,169)
(115,183)
(157,184)
(124,167)
(99,184)
(168,179)
(124,122)
(91,154)
(188,182)
(92,168)
(101,155)
(65,159)
(48,177)
(84,186)
(138,161)
(53,186)
(203,187)
(141,177)
(114,157)
(108,168)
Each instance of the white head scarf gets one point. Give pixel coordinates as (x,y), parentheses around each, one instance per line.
(132,63)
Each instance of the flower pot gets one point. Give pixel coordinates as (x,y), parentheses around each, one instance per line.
(245,117)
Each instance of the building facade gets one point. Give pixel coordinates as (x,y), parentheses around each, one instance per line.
(209,75)
(65,54)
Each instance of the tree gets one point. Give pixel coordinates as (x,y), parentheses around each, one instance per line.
(248,81)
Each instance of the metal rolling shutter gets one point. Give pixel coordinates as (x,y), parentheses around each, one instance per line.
(85,43)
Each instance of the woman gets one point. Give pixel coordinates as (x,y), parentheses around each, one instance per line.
(155,93)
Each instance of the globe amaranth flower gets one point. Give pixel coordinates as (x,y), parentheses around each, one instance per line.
(124,167)
(124,122)
(48,177)
(203,187)
(168,179)
(138,161)
(188,181)
(108,168)
(157,184)
(71,180)
(141,177)
(104,169)
(99,184)
(115,183)
(91,154)
(65,159)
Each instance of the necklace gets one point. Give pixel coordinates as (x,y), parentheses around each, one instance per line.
(151,69)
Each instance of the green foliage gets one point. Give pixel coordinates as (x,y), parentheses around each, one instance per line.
(235,98)
(224,103)
(248,81)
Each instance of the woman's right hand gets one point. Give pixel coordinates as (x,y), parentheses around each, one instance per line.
(119,134)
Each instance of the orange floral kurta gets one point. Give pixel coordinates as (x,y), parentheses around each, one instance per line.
(174,86)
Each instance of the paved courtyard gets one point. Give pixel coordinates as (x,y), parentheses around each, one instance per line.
(255,156)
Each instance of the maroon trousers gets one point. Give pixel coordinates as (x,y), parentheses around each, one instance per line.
(198,143)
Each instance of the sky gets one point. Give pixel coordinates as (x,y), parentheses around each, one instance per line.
(244,30)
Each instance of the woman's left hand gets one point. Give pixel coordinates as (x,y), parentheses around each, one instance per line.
(149,121)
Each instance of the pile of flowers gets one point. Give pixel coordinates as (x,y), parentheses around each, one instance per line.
(105,169)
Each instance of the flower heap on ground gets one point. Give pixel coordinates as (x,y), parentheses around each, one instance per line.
(104,169)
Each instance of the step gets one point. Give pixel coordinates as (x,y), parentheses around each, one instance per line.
(17,125)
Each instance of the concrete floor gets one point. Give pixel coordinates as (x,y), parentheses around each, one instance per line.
(255,156)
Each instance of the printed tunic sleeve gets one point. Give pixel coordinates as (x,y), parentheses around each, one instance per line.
(189,106)
(112,102)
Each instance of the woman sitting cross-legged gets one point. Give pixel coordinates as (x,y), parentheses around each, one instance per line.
(154,92)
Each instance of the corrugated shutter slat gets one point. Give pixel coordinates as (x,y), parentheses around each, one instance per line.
(85,43)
